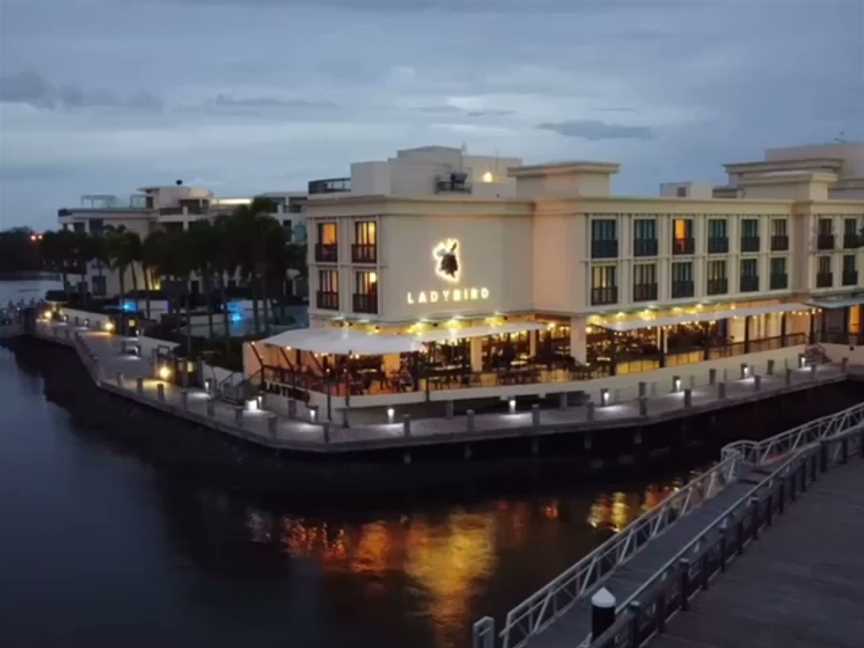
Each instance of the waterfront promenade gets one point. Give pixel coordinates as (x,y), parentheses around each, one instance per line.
(119,373)
(800,585)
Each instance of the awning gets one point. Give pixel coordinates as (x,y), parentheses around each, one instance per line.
(705,316)
(345,341)
(840,301)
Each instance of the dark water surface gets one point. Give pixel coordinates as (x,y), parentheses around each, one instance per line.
(98,548)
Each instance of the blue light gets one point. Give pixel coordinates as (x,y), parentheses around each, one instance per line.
(236,311)
(129,306)
(236,317)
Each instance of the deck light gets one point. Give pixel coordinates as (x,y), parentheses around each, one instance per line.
(676,384)
(312,415)
(512,405)
(604,396)
(164,372)
(391,413)
(802,361)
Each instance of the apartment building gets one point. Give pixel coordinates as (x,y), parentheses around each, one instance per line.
(551,277)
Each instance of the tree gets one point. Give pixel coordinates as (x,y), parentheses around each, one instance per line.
(123,249)
(204,241)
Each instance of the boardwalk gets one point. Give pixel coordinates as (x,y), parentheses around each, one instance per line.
(801,584)
(273,428)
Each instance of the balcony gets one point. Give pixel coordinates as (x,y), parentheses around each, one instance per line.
(644,292)
(601,296)
(851,241)
(681,289)
(604,249)
(456,182)
(824,279)
(327,300)
(364,253)
(779,243)
(683,246)
(718,245)
(718,286)
(825,241)
(850,277)
(365,303)
(749,243)
(329,185)
(644,247)
(326,253)
(779,281)
(749,284)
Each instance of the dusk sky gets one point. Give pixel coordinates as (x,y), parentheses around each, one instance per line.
(246,96)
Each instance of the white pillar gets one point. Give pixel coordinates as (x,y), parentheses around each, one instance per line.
(476,346)
(578,341)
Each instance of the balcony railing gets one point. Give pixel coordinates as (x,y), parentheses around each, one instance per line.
(682,246)
(749,284)
(329,185)
(645,292)
(682,289)
(718,245)
(824,279)
(328,300)
(364,253)
(604,249)
(851,241)
(749,243)
(779,281)
(326,253)
(779,243)
(365,303)
(608,295)
(850,277)
(718,286)
(825,241)
(645,247)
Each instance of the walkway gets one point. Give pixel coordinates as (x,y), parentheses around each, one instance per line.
(800,585)
(278,431)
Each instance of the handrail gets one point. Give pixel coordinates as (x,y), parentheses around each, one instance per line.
(543,607)
(758,453)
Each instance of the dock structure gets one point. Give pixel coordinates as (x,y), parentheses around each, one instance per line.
(761,550)
(135,377)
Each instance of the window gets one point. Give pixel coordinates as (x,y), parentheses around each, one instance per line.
(644,282)
(366,292)
(850,275)
(778,227)
(824,277)
(682,280)
(749,235)
(328,289)
(604,289)
(604,239)
(681,192)
(779,280)
(644,237)
(718,242)
(749,275)
(779,237)
(287,228)
(717,282)
(850,233)
(365,248)
(99,288)
(682,236)
(825,226)
(326,249)
(824,264)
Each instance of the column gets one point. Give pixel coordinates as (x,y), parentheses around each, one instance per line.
(476,354)
(578,339)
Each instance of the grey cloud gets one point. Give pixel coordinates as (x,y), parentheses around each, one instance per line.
(33,89)
(491,112)
(228,101)
(592,129)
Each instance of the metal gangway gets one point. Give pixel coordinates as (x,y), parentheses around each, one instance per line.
(764,467)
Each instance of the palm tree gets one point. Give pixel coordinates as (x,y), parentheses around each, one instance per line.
(152,256)
(82,251)
(56,248)
(203,239)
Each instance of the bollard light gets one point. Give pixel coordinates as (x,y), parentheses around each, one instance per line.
(802,361)
(391,414)
(207,385)
(604,397)
(313,414)
(512,405)
(676,384)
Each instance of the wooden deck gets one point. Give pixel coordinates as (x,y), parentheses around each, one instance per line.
(801,584)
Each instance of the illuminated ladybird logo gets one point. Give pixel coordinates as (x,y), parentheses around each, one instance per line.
(446,255)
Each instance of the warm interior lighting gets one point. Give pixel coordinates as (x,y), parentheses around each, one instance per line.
(164,372)
(108,325)
(373,277)
(488,177)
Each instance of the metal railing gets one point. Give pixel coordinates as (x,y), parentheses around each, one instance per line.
(547,604)
(772,449)
(670,589)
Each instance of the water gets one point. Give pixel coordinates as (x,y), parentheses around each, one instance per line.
(99,548)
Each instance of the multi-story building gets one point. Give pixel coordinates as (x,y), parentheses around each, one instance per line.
(549,277)
(172,207)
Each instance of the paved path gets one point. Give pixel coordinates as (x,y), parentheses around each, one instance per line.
(801,584)
(295,434)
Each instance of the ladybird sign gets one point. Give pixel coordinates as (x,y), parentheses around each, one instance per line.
(448,267)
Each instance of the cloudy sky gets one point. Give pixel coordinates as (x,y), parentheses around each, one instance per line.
(244,96)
